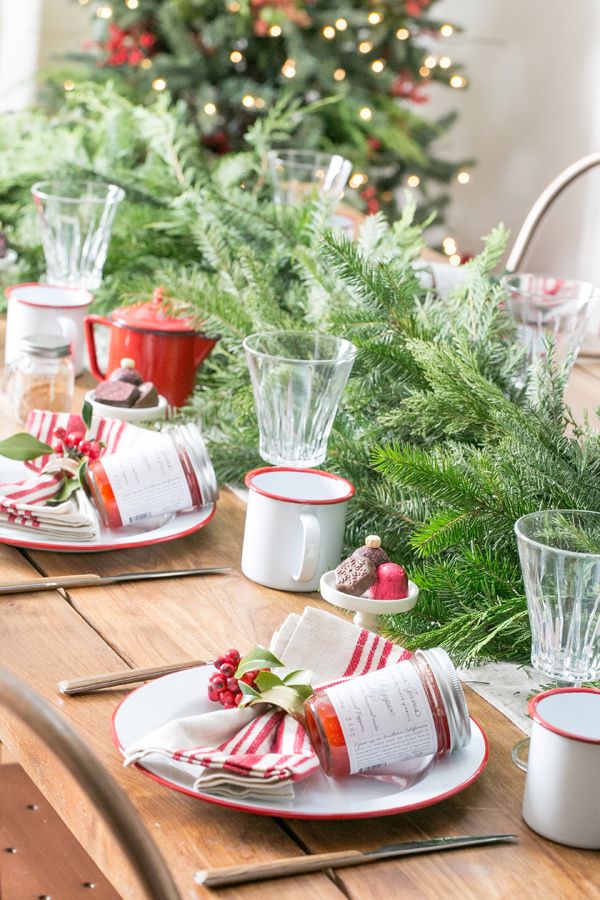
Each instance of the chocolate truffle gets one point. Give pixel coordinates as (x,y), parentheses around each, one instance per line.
(116,393)
(373,550)
(148,396)
(127,372)
(355,575)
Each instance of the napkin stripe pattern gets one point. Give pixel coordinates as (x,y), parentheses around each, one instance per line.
(41,424)
(261,750)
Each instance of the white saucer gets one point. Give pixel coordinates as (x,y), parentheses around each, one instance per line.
(130,414)
(366,611)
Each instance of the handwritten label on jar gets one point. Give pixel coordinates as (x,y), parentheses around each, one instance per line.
(148,481)
(385,717)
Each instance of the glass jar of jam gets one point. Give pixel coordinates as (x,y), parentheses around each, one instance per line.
(169,472)
(411,709)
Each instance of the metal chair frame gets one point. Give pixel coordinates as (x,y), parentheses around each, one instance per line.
(105,794)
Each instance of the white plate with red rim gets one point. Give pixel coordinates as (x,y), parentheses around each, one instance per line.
(317,797)
(168,529)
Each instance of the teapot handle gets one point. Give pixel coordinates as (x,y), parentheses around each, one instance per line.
(88,324)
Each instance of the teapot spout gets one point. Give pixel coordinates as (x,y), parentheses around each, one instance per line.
(204,345)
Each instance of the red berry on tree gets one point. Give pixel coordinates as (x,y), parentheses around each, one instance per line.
(227,669)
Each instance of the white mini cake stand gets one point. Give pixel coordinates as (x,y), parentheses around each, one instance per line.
(366,611)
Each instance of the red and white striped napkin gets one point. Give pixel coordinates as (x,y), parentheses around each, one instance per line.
(24,503)
(242,752)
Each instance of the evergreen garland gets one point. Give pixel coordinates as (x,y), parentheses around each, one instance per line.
(445,450)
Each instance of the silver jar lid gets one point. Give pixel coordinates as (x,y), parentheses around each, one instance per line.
(46,346)
(452,695)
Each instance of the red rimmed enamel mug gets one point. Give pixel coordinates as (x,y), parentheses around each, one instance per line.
(562,790)
(294,526)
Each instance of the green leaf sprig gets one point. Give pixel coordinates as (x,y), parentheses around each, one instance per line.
(287,691)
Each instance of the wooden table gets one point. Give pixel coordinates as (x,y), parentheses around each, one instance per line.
(47,637)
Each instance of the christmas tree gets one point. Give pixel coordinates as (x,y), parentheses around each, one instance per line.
(230,60)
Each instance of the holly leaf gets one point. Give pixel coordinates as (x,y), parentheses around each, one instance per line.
(258,658)
(24,446)
(298,677)
(266,680)
(87,412)
(69,486)
(285,698)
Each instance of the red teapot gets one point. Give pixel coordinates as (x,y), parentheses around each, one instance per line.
(166,349)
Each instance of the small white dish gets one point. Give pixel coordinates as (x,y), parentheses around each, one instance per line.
(366,611)
(130,414)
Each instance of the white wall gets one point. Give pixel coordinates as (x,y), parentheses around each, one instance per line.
(532,107)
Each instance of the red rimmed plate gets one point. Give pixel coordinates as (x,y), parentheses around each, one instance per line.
(171,527)
(317,797)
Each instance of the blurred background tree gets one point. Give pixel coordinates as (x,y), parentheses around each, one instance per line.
(229,60)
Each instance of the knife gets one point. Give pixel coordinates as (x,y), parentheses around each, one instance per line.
(298,865)
(71,581)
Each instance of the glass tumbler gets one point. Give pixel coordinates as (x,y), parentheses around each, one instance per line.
(297,175)
(298,379)
(559,551)
(542,306)
(76,220)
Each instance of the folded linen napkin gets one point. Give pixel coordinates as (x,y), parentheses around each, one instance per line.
(23,504)
(249,752)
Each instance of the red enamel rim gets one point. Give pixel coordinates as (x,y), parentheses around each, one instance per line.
(284,814)
(535,715)
(98,548)
(248,481)
(53,287)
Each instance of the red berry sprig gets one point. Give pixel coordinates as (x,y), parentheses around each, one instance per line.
(223,688)
(75,445)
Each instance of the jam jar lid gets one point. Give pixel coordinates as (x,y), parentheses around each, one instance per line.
(453,696)
(198,454)
(46,346)
(153,315)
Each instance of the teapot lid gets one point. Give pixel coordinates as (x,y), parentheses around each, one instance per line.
(154,315)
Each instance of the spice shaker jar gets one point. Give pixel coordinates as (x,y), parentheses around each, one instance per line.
(169,472)
(414,708)
(42,375)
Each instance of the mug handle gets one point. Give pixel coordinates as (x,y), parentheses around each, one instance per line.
(311,543)
(517,751)
(88,324)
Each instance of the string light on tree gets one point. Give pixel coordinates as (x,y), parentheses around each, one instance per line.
(248,101)
(454,260)
(365,46)
(159,84)
(458,81)
(430,61)
(259,102)
(69,85)
(104,12)
(446,30)
(233,6)
(210,108)
(328,32)
(366,113)
(339,74)
(449,245)
(463,178)
(146,63)
(378,65)
(288,69)
(341,24)
(275,30)
(413,181)
(358,179)
(132,4)
(403,34)
(236,57)
(424,71)
(375,18)
(445,62)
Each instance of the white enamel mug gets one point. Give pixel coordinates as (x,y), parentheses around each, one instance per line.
(45,309)
(562,790)
(294,526)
